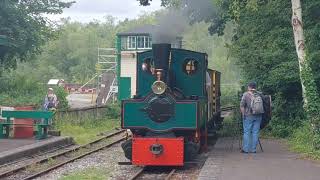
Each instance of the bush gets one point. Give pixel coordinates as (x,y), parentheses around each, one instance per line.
(21,91)
(288,115)
(278,128)
(62,97)
(113,111)
(301,141)
(230,95)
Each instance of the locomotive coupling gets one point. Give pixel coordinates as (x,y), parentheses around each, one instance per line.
(156,149)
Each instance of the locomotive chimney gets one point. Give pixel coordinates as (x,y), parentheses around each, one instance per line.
(161,56)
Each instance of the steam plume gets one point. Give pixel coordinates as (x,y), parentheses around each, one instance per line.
(175,21)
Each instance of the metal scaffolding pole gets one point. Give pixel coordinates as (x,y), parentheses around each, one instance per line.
(107,81)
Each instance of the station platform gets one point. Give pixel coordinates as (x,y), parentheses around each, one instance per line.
(225,162)
(13,149)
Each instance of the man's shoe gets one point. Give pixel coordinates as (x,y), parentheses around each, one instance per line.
(242,151)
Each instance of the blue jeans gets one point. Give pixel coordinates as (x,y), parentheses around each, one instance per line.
(251,128)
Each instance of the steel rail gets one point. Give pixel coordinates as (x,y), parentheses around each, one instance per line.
(141,171)
(227,108)
(170,174)
(72,159)
(34,156)
(45,159)
(137,174)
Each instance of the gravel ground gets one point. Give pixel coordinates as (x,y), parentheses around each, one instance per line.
(32,158)
(106,159)
(107,162)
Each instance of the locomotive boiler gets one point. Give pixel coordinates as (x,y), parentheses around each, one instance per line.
(177,103)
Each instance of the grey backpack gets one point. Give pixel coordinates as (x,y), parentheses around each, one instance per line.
(256,104)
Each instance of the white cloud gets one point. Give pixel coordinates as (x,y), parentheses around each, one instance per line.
(88,10)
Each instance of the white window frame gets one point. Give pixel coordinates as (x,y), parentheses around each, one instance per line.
(128,42)
(124,43)
(149,45)
(144,40)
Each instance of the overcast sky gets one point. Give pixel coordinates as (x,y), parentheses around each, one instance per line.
(88,10)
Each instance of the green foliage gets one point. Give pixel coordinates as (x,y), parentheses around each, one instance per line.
(300,142)
(85,130)
(231,126)
(114,111)
(263,48)
(18,90)
(197,38)
(62,98)
(311,25)
(71,56)
(23,23)
(312,101)
(282,128)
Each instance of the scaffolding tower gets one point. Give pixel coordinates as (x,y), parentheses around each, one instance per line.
(107,75)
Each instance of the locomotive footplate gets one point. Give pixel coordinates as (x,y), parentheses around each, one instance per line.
(158,151)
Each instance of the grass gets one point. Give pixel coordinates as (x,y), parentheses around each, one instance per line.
(88,131)
(86,127)
(87,174)
(301,142)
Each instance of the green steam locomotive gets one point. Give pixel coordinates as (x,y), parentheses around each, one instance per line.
(177,103)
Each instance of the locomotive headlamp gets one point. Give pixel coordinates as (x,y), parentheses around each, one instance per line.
(159,87)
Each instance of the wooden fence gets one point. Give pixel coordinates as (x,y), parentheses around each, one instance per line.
(79,114)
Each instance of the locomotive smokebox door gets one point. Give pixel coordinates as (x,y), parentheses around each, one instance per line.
(160,109)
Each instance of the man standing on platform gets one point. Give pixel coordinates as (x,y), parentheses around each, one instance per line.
(251,107)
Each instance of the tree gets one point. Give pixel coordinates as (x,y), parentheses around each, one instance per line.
(4,41)
(197,38)
(197,11)
(309,89)
(26,28)
(264,49)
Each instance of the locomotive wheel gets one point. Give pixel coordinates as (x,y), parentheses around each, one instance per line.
(127,148)
(191,150)
(204,140)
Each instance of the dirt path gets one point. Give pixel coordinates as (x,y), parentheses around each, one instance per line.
(225,162)
(80,100)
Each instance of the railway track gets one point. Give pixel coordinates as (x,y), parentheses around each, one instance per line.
(26,158)
(72,154)
(67,156)
(227,108)
(144,172)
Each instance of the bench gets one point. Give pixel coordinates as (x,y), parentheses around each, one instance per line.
(42,127)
